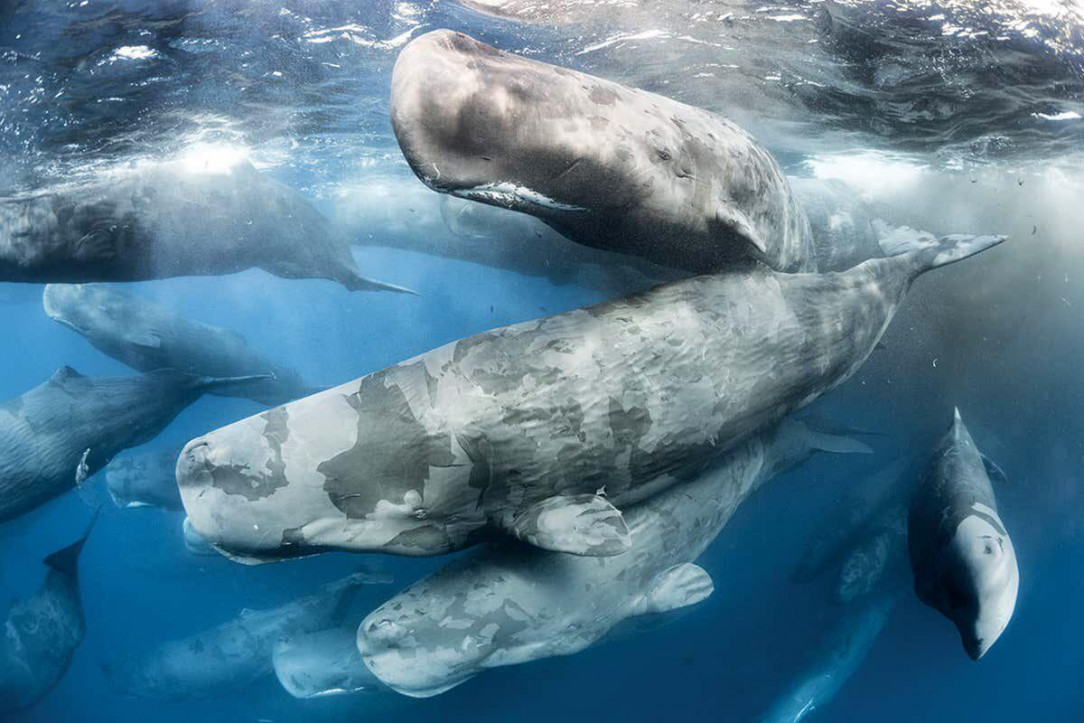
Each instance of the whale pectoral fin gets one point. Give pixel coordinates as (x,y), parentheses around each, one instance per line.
(679,587)
(577,524)
(143,338)
(995,473)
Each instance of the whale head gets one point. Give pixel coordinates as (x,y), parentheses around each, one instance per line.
(475,613)
(979,580)
(85,308)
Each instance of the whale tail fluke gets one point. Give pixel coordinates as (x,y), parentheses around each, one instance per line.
(66,560)
(929,253)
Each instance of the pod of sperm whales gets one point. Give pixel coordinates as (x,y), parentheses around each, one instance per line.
(234,654)
(963,559)
(42,632)
(174,218)
(837,657)
(323,664)
(519,429)
(145,480)
(59,433)
(605,165)
(506,604)
(147,336)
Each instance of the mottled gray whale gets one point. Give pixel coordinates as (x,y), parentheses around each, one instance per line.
(522,429)
(962,557)
(174,218)
(606,165)
(147,336)
(42,632)
(234,654)
(63,431)
(507,604)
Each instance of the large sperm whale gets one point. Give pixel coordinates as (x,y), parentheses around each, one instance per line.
(42,632)
(174,218)
(147,336)
(63,431)
(539,429)
(506,604)
(963,560)
(606,165)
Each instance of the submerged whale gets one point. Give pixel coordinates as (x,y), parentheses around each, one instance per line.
(837,657)
(61,432)
(174,218)
(232,655)
(605,165)
(962,557)
(323,664)
(506,604)
(147,336)
(145,480)
(539,429)
(42,632)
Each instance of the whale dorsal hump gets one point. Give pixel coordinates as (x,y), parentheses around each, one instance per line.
(577,524)
(678,587)
(63,374)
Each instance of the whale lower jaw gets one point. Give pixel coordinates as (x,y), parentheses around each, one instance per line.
(509,195)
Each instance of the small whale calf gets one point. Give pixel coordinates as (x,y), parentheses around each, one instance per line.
(605,165)
(59,433)
(147,336)
(519,429)
(234,654)
(323,664)
(42,632)
(507,604)
(173,218)
(962,557)
(145,480)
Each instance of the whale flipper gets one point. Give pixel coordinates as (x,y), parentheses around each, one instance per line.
(144,338)
(679,587)
(577,524)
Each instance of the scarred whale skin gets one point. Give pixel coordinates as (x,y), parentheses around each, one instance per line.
(65,430)
(147,336)
(159,220)
(606,165)
(42,632)
(963,559)
(233,654)
(506,604)
(518,428)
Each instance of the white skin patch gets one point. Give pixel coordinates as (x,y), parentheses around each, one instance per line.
(991,560)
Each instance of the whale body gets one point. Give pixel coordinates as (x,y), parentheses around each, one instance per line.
(962,556)
(605,165)
(517,430)
(147,336)
(173,218)
(63,431)
(507,604)
(42,632)
(323,664)
(145,480)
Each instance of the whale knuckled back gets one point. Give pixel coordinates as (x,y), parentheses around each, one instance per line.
(66,560)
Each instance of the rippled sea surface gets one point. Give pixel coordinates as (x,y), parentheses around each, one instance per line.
(949,116)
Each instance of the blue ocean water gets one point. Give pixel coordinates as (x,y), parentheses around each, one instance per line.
(956,117)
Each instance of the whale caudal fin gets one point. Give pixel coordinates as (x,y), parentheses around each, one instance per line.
(927,254)
(66,560)
(577,524)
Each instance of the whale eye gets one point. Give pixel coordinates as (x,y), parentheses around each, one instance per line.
(421,513)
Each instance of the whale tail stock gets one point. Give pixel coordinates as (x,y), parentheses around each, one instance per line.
(928,253)
(66,560)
